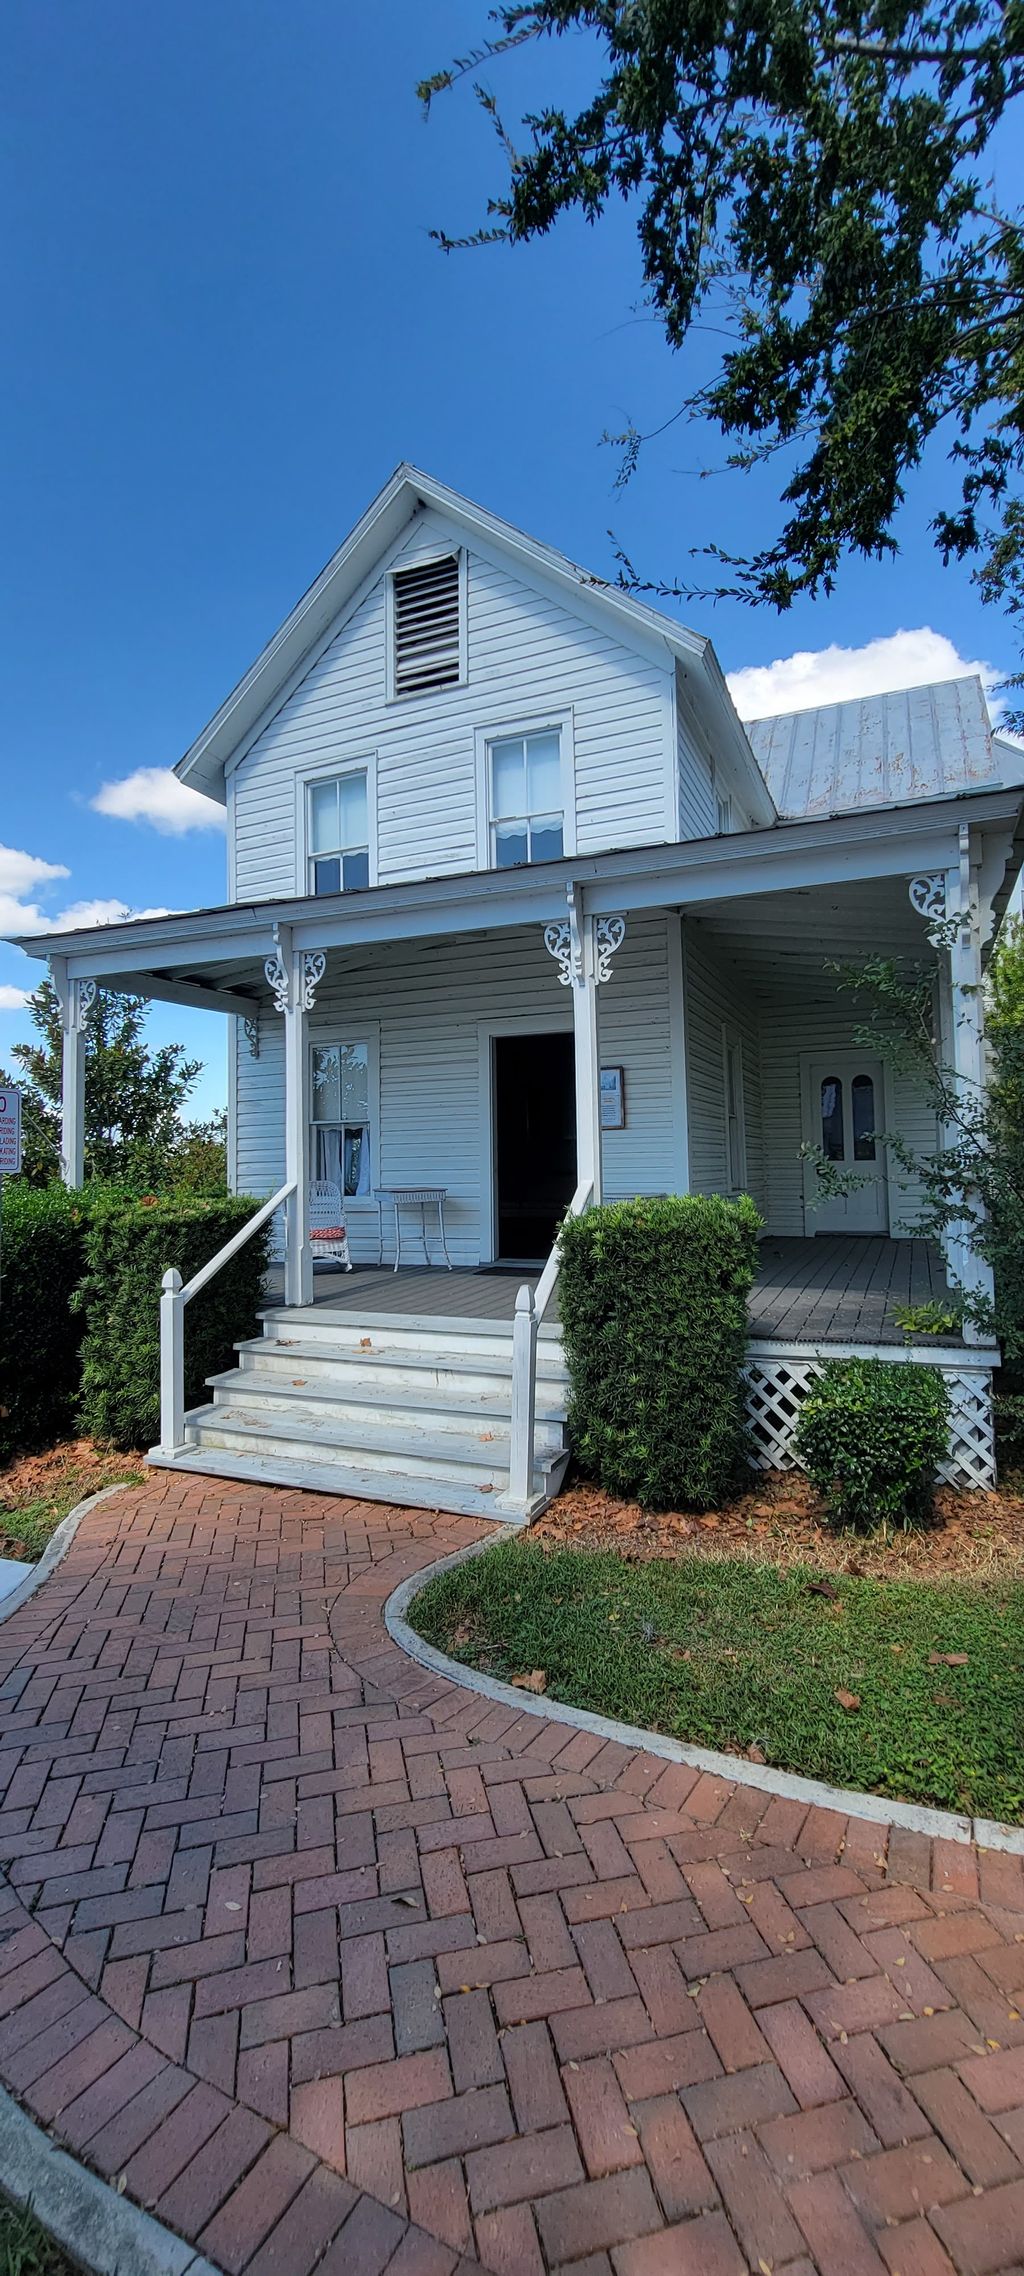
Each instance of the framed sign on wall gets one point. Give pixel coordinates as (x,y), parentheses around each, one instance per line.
(613,1099)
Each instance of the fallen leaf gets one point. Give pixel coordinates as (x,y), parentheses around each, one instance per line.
(412,1902)
(848,1699)
(948,1659)
(822,1588)
(535,1681)
(755,1754)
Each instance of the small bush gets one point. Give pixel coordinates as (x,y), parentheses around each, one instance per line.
(871,1436)
(129,1245)
(41,1260)
(654,1312)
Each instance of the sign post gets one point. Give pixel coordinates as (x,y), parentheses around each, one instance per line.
(10,1144)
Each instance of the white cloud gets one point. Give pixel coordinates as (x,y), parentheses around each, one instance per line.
(154,794)
(834,675)
(83,913)
(12,999)
(21,913)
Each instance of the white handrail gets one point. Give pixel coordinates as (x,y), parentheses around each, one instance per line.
(548,1281)
(531,1305)
(173,1299)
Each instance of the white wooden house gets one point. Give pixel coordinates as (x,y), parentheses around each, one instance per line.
(504,867)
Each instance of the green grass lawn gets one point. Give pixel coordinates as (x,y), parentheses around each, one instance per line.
(25,2248)
(722,1652)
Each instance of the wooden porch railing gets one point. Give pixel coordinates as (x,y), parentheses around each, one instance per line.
(531,1305)
(173,1300)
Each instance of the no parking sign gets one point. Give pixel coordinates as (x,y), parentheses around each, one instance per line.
(10,1133)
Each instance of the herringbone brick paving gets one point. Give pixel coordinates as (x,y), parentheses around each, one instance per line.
(339,1967)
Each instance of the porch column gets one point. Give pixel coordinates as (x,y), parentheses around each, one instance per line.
(294,975)
(584,946)
(949,899)
(968,1040)
(75,998)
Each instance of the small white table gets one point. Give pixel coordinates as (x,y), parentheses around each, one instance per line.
(411,1196)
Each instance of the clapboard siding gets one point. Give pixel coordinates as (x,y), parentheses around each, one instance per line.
(698,813)
(716,999)
(528,655)
(796,1024)
(429,1003)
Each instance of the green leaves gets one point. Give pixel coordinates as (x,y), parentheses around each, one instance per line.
(871,1435)
(653,1296)
(816,171)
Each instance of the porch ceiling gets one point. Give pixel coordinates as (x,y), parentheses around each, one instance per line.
(785,941)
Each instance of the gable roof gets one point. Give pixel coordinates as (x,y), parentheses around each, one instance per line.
(257,693)
(882,750)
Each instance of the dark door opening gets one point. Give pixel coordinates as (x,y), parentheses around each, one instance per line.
(535,1141)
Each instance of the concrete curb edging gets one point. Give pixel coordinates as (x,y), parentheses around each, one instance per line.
(56,1548)
(941,1825)
(100,2230)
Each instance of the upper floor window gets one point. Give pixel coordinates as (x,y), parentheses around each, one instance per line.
(339,833)
(525,795)
(427,630)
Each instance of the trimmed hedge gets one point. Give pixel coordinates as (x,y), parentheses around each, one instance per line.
(653,1297)
(41,1264)
(871,1435)
(129,1245)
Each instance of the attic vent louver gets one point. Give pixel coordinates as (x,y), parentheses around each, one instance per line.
(427,644)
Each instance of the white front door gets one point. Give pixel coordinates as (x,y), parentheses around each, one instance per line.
(844,1117)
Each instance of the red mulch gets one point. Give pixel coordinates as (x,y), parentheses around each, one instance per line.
(780,1521)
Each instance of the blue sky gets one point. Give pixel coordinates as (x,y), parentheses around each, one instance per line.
(227,323)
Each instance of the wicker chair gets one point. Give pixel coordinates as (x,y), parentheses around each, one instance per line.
(327,1229)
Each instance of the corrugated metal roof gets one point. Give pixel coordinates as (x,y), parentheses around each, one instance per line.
(926,742)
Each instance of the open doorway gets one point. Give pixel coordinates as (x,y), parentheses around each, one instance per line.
(534,1142)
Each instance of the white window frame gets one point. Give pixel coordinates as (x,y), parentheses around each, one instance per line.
(422,561)
(332,770)
(326,1031)
(557,723)
(732,1048)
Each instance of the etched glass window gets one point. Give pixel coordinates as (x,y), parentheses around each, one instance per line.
(340,1116)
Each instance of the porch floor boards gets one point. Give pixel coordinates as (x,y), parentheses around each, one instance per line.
(844,1288)
(830,1288)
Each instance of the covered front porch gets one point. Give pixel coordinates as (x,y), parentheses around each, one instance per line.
(829,1288)
(684,985)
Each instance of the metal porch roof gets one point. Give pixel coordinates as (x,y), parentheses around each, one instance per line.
(915,743)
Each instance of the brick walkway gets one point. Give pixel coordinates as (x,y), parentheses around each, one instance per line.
(337,1966)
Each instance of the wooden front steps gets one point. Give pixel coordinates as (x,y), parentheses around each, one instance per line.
(382,1407)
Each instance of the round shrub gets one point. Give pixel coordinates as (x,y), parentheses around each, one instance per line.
(653,1296)
(871,1436)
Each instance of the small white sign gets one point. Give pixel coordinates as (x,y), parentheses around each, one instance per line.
(10,1133)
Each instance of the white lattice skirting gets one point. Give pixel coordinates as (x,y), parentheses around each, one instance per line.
(779,1376)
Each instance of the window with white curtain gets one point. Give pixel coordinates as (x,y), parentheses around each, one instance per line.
(524,775)
(338,833)
(340,1138)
